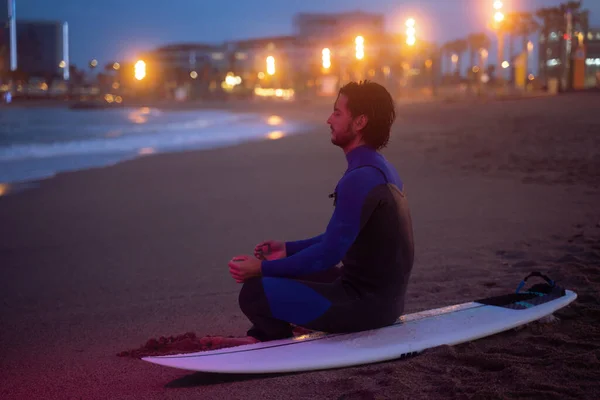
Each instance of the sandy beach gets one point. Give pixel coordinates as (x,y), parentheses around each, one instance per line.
(97,262)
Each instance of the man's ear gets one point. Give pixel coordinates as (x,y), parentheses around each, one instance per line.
(360,122)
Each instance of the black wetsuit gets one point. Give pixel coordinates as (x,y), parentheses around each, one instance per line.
(370,232)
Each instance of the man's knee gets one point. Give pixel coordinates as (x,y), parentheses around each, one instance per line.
(251,296)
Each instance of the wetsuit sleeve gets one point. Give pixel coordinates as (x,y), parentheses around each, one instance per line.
(342,230)
(294,247)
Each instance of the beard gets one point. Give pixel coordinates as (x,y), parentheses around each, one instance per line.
(343,137)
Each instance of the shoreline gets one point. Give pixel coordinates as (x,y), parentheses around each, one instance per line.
(300,122)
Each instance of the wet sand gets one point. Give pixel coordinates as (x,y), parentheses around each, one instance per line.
(97,262)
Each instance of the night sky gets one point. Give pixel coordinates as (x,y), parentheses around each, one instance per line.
(118,29)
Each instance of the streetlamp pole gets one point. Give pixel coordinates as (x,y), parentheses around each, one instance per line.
(498,18)
(359,47)
(12,35)
(410,41)
(410,32)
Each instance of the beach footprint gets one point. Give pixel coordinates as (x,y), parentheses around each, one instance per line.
(517,259)
(576,238)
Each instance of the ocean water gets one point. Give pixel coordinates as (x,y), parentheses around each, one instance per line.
(37,143)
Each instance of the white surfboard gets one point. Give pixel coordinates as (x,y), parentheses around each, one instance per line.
(411,334)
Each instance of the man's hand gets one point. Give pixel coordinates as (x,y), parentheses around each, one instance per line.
(270,250)
(244,267)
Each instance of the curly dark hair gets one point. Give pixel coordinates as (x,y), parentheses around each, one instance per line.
(375,102)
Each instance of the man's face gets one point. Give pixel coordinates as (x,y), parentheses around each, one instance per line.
(341,123)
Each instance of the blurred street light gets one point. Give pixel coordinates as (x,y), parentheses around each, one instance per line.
(484,56)
(498,19)
(360,47)
(498,15)
(326,57)
(271,65)
(116,66)
(505,64)
(140,70)
(410,32)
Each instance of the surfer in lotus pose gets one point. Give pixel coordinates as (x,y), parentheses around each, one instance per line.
(300,283)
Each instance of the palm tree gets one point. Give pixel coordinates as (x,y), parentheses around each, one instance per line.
(446,52)
(583,20)
(510,27)
(572,6)
(526,26)
(477,42)
(458,47)
(450,52)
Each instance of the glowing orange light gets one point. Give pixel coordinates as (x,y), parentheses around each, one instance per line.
(140,70)
(275,135)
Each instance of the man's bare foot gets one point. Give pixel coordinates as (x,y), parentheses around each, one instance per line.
(234,341)
(186,343)
(299,331)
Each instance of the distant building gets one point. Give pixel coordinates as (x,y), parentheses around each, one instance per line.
(318,26)
(43,48)
(337,32)
(187,56)
(571,58)
(194,66)
(248,58)
(592,57)
(322,52)
(179,62)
